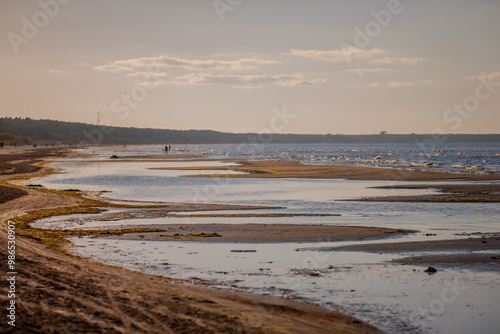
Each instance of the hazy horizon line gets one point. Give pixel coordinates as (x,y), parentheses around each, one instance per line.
(382,132)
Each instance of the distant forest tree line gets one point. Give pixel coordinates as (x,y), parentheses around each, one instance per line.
(24,131)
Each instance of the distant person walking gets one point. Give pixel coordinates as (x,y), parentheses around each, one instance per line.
(1,144)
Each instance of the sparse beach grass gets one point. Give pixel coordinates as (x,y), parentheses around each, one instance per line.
(74,201)
(61,292)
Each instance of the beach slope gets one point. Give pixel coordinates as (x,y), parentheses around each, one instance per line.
(56,293)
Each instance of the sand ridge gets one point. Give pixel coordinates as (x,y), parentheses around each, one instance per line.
(60,294)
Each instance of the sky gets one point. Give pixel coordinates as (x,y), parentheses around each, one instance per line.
(283,66)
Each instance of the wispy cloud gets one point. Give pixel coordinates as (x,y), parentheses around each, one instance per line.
(146,73)
(361,71)
(398,84)
(336,55)
(234,73)
(166,61)
(389,84)
(492,75)
(245,81)
(113,68)
(398,60)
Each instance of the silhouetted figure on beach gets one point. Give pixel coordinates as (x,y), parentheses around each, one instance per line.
(1,144)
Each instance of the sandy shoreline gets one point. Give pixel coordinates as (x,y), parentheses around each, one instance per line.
(60,292)
(484,192)
(294,169)
(471,251)
(469,245)
(262,233)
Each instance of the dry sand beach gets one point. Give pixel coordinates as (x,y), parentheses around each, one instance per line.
(294,169)
(232,166)
(58,292)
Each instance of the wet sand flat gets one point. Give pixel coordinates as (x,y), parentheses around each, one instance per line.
(262,233)
(469,260)
(65,294)
(471,244)
(483,192)
(488,249)
(294,169)
(62,293)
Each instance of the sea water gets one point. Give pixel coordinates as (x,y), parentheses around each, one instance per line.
(452,157)
(396,298)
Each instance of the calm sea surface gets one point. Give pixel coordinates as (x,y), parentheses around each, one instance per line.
(395,298)
(478,158)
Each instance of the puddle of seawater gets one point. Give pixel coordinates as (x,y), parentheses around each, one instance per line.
(128,179)
(395,298)
(118,176)
(434,221)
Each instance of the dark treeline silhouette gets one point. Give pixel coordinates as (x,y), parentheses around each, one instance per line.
(81,133)
(10,139)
